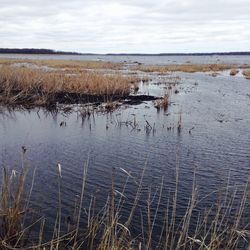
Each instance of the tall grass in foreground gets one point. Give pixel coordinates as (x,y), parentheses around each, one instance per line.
(218,227)
(23,85)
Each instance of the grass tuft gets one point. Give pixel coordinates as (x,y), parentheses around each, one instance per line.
(219,226)
(246,73)
(234,72)
(163,103)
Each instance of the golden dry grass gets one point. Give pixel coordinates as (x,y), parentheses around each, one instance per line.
(22,84)
(189,68)
(234,72)
(65,64)
(163,103)
(246,73)
(219,226)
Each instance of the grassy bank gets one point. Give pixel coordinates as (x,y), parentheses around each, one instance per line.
(246,73)
(48,82)
(189,68)
(219,226)
(64,64)
(28,86)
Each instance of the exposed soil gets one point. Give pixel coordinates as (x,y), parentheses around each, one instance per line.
(138,99)
(62,97)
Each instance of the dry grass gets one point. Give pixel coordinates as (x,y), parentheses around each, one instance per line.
(9,61)
(217,227)
(189,68)
(246,73)
(65,64)
(21,85)
(80,64)
(163,103)
(11,208)
(234,72)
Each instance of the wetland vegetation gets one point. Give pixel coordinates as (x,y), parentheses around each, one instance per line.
(122,108)
(26,85)
(47,82)
(190,68)
(246,73)
(221,226)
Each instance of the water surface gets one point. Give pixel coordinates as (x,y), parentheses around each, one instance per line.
(214,141)
(232,59)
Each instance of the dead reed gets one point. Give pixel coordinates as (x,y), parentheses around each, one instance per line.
(246,73)
(163,103)
(234,72)
(26,86)
(64,64)
(219,226)
(189,68)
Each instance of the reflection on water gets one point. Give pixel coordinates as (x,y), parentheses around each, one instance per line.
(141,59)
(214,139)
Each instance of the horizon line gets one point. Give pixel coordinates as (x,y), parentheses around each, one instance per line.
(53,51)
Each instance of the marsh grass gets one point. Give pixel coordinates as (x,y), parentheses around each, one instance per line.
(189,68)
(26,86)
(234,72)
(163,103)
(74,65)
(219,226)
(246,73)
(12,209)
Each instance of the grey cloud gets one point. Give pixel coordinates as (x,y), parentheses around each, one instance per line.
(126,26)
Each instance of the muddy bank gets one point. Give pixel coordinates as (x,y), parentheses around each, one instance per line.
(51,100)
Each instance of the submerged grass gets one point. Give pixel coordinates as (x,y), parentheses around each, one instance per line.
(219,226)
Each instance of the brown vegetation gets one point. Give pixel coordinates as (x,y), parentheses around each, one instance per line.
(22,85)
(234,72)
(246,73)
(218,226)
(163,103)
(189,68)
(64,64)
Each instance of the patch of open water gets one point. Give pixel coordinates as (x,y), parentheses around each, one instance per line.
(215,139)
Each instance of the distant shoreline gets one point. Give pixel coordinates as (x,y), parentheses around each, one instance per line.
(181,54)
(36,52)
(54,52)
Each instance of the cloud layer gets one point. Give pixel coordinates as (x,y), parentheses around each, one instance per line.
(145,26)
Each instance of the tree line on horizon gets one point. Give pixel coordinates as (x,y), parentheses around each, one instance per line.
(34,51)
(50,51)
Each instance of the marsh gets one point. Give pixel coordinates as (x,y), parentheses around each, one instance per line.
(213,142)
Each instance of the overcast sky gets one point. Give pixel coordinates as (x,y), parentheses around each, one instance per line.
(145,26)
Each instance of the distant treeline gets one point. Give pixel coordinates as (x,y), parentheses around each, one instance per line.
(35,51)
(50,51)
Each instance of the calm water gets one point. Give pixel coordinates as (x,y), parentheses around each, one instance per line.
(215,109)
(141,59)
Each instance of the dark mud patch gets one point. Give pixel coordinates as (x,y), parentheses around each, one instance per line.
(51,100)
(69,98)
(138,99)
(76,98)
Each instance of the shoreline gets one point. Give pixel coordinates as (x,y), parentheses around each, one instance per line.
(44,83)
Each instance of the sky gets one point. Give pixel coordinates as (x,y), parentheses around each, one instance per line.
(126,26)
